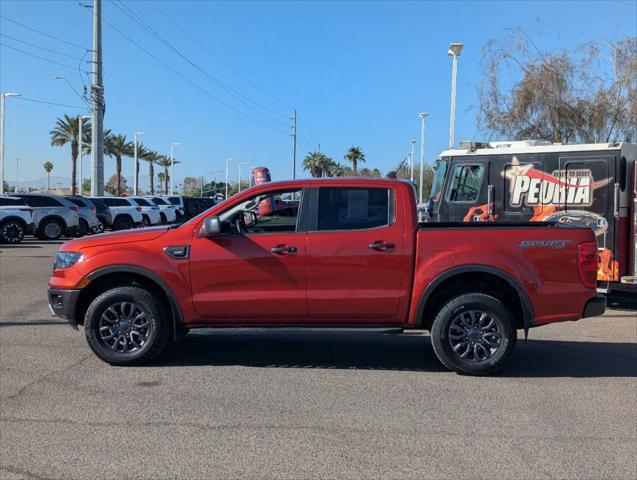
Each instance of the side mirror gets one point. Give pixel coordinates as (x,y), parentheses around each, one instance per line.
(430,208)
(211,227)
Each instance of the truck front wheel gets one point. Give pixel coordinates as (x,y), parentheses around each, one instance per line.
(127,326)
(473,334)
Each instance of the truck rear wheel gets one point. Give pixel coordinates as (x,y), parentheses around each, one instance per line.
(127,326)
(474,334)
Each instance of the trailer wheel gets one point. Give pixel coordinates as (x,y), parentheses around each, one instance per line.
(474,334)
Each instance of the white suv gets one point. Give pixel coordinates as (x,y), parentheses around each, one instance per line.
(125,215)
(53,216)
(16,219)
(167,211)
(150,211)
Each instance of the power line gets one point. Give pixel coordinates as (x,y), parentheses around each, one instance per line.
(50,103)
(217,57)
(42,33)
(37,56)
(38,46)
(183,77)
(236,94)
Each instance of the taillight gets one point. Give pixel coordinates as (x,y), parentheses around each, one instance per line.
(74,208)
(30,210)
(93,210)
(587,263)
(139,209)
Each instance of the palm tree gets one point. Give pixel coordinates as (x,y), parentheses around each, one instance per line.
(314,162)
(160,179)
(353,156)
(66,131)
(48,166)
(164,161)
(117,146)
(151,156)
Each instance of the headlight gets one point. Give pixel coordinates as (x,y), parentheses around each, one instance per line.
(66,259)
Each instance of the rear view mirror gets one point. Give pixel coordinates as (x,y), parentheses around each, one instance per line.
(211,227)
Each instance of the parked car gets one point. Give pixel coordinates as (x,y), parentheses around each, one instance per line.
(88,214)
(167,211)
(150,211)
(53,216)
(16,219)
(125,215)
(103,214)
(331,253)
(189,207)
(178,203)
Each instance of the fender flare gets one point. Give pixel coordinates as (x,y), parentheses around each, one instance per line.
(177,319)
(527,306)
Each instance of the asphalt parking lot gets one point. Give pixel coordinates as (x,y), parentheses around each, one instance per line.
(249,404)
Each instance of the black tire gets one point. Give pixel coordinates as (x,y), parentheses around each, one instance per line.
(480,349)
(122,222)
(12,231)
(51,229)
(82,228)
(162,218)
(99,228)
(158,334)
(145,221)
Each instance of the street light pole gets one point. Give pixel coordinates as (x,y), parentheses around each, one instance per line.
(454,51)
(422,116)
(136,176)
(172,166)
(239,187)
(79,141)
(411,159)
(227,160)
(3,97)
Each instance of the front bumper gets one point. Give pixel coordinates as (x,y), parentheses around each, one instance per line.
(595,306)
(30,229)
(63,303)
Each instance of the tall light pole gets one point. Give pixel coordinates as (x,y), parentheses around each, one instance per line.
(240,163)
(411,159)
(227,160)
(172,165)
(3,97)
(79,142)
(422,116)
(454,51)
(97,106)
(17,173)
(136,175)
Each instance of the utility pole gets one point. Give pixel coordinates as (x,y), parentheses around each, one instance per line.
(422,154)
(293,134)
(3,97)
(97,100)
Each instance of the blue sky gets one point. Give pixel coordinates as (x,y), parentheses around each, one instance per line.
(358,73)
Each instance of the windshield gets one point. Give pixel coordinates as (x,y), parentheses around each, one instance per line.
(440,169)
(141,202)
(174,200)
(158,201)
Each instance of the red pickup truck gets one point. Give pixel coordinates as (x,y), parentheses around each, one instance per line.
(328,253)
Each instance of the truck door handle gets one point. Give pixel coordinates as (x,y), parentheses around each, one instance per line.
(381,246)
(283,250)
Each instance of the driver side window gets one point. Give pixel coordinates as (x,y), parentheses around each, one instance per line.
(466,183)
(275,212)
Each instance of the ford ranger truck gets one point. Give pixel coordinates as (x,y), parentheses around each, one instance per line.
(326,253)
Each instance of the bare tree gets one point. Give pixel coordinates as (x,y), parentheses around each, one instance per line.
(587,94)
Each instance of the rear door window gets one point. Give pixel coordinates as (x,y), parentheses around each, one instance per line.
(353,208)
(141,202)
